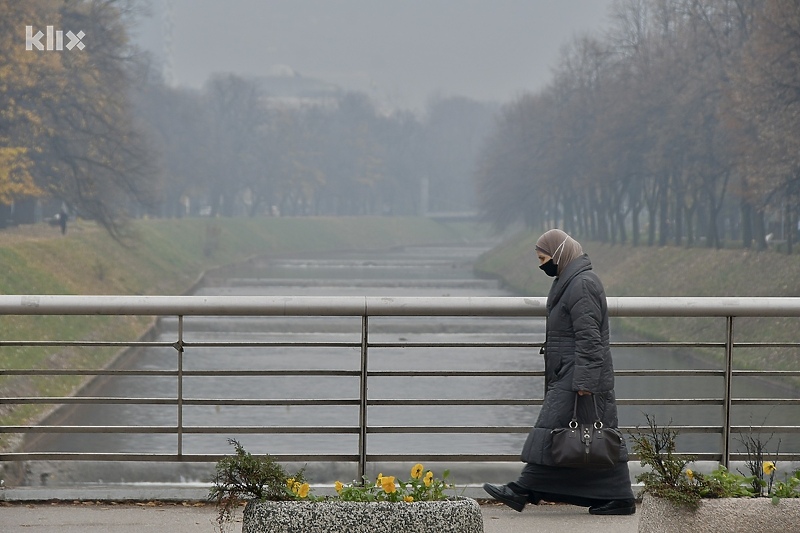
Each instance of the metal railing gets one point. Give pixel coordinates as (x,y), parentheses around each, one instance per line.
(727,309)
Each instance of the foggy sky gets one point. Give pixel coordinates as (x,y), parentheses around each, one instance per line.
(400,52)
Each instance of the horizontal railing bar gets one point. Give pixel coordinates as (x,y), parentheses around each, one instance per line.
(375,402)
(448,429)
(536,401)
(266,373)
(455,373)
(88,429)
(659,373)
(90,400)
(766,401)
(99,372)
(77,400)
(454,345)
(442,458)
(137,344)
(290,402)
(453,401)
(766,373)
(765,429)
(212,430)
(505,306)
(209,430)
(345,429)
(160,457)
(766,344)
(172,373)
(270,344)
(378,373)
(324,458)
(667,344)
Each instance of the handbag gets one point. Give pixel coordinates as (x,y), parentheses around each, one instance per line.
(585,445)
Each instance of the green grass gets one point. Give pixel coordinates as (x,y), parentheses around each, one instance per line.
(674,271)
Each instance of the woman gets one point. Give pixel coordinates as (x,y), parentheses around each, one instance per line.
(577,359)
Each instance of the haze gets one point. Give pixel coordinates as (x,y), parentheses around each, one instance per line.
(400,53)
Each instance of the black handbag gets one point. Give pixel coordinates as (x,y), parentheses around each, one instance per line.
(585,445)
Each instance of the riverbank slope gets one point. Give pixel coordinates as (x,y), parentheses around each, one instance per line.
(672,271)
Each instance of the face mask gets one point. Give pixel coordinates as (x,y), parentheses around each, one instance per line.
(550,268)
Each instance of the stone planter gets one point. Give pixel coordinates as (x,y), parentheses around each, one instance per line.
(462,515)
(754,515)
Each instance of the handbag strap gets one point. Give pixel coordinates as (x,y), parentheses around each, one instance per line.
(574,422)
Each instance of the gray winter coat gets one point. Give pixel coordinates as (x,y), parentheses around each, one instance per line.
(576,357)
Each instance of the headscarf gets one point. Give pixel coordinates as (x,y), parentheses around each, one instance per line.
(560,246)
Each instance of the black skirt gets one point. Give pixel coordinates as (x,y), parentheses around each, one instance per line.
(605,484)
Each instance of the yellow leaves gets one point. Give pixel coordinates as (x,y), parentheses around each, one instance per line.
(15,177)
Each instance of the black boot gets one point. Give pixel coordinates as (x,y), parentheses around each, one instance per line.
(505,494)
(615,507)
(533,497)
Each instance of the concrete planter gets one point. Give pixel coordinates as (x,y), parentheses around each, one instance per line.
(462,515)
(754,515)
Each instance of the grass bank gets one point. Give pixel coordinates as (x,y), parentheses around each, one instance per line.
(157,257)
(674,271)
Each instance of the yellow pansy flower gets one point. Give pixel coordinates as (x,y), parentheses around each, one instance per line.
(387,483)
(428,479)
(768,467)
(290,483)
(303,490)
(689,474)
(408,499)
(416,472)
(379,482)
(338,486)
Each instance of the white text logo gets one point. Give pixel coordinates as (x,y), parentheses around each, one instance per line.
(54,39)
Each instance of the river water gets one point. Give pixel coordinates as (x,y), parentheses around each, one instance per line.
(411,271)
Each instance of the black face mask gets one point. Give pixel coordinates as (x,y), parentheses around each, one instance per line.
(550,268)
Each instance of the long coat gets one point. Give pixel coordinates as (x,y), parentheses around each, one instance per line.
(576,357)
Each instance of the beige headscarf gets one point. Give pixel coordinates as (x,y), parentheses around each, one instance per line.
(560,246)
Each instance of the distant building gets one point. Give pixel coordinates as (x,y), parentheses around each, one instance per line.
(286,88)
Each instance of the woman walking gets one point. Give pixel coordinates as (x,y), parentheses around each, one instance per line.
(577,360)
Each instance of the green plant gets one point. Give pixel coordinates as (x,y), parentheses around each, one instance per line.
(245,476)
(666,478)
(669,478)
(419,487)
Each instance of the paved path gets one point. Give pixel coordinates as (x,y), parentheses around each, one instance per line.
(97,517)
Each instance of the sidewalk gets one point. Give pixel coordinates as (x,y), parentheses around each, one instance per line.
(97,517)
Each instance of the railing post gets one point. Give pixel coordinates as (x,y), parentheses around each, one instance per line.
(179,347)
(726,415)
(362,413)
